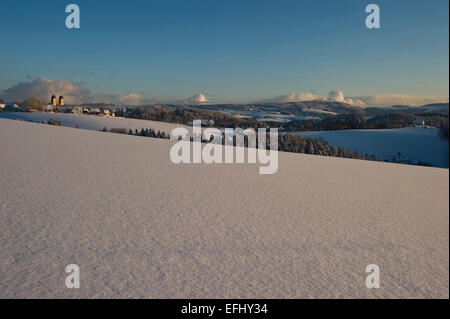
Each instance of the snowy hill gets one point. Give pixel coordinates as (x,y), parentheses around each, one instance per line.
(415,144)
(140,226)
(91,122)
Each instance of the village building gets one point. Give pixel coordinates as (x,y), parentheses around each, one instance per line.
(47,108)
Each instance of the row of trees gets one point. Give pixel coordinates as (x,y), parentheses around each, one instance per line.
(444,129)
(148,132)
(184,115)
(357,121)
(317,146)
(297,144)
(339,122)
(33,104)
(286,143)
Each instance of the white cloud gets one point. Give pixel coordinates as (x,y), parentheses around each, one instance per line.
(333,96)
(400,99)
(44,88)
(126,99)
(338,96)
(74,93)
(198,98)
(297,97)
(378,100)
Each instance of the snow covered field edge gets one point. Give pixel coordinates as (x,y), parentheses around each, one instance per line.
(140,226)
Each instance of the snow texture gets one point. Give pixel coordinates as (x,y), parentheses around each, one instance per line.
(92,122)
(140,226)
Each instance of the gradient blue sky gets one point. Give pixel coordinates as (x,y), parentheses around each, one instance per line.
(233,51)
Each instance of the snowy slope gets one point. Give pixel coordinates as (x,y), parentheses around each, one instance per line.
(91,122)
(139,226)
(414,143)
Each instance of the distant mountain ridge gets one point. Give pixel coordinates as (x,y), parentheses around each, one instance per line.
(326,108)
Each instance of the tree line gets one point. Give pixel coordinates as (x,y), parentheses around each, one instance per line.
(286,143)
(184,115)
(338,122)
(358,121)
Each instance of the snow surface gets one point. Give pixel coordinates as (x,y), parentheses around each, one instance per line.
(140,226)
(414,143)
(92,122)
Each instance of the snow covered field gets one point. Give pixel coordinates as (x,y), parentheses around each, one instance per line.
(414,143)
(140,226)
(91,122)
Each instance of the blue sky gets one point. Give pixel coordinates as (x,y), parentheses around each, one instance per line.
(232,51)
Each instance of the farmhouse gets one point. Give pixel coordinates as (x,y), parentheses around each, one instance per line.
(47,108)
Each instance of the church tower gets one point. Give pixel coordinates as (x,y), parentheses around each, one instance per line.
(53,100)
(61,100)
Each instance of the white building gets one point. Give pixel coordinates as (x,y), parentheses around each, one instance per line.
(47,108)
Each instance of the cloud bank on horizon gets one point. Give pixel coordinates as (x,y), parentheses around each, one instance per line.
(378,100)
(76,93)
(333,96)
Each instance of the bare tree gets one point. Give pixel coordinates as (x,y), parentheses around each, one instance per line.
(33,103)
